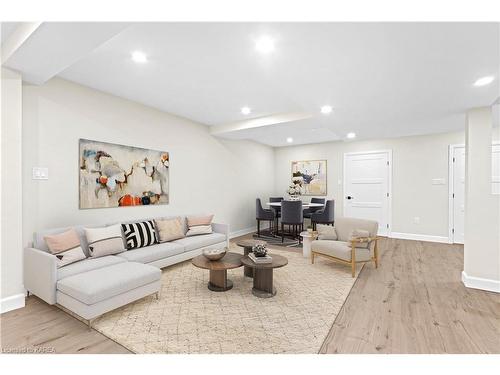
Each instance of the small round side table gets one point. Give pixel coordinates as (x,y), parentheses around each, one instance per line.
(307,238)
(247,246)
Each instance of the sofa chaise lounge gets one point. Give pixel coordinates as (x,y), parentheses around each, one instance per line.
(94,286)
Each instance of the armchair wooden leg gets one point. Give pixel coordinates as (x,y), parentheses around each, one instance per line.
(375,253)
(312,257)
(353,260)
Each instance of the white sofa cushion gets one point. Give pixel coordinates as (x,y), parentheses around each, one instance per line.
(197,242)
(88,264)
(152,253)
(98,285)
(339,249)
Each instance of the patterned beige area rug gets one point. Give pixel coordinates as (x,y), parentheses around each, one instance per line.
(189,318)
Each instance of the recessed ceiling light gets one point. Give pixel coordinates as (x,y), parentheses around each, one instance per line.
(289,140)
(139,57)
(326,109)
(264,44)
(484,81)
(246,110)
(351,135)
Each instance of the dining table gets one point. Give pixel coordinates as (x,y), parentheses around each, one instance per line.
(277,205)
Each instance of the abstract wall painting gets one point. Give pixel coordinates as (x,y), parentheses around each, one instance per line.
(113,175)
(312,175)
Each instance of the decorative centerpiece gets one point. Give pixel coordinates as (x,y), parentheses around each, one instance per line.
(259,250)
(214,254)
(295,189)
(259,254)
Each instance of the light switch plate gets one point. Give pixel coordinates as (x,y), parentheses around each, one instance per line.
(40,173)
(438,181)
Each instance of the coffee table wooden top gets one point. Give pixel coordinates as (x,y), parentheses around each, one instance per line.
(229,261)
(278,261)
(250,243)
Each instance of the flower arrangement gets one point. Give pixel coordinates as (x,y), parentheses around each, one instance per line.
(259,250)
(295,188)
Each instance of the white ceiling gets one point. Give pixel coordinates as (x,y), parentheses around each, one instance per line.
(382,79)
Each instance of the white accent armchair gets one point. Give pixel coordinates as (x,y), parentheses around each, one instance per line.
(346,248)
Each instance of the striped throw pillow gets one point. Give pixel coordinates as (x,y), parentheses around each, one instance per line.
(104,241)
(140,234)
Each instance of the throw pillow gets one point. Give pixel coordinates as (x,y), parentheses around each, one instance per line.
(360,233)
(199,229)
(199,225)
(169,229)
(326,232)
(140,234)
(66,247)
(105,241)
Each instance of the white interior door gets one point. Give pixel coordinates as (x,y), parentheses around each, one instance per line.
(367,187)
(458,194)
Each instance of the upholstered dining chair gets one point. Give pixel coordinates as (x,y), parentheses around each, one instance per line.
(276,209)
(310,210)
(350,241)
(291,215)
(324,216)
(263,215)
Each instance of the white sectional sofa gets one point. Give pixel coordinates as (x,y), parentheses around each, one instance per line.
(94,286)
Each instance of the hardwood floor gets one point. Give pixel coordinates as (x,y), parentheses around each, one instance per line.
(414,302)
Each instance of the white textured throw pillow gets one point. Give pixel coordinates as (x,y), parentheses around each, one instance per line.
(199,229)
(105,241)
(326,232)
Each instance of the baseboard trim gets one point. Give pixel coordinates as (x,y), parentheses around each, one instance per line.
(419,237)
(242,232)
(480,283)
(12,303)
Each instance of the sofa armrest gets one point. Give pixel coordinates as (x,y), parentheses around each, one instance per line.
(221,228)
(40,274)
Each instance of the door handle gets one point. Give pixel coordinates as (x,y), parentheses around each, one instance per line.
(349,197)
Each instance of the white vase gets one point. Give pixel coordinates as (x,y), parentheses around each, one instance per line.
(295,197)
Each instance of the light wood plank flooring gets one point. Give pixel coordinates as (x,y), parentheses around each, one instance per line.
(413,303)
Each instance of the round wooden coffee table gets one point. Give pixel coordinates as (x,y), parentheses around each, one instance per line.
(263,275)
(218,281)
(247,246)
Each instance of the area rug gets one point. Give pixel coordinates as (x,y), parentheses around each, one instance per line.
(189,318)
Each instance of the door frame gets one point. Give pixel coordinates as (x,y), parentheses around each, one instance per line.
(451,186)
(451,189)
(389,183)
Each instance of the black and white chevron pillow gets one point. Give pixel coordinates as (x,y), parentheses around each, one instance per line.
(140,234)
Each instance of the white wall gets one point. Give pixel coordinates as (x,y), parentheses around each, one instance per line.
(416,161)
(12,290)
(482,216)
(207,175)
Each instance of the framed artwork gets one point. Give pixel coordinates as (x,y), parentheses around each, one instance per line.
(113,175)
(311,175)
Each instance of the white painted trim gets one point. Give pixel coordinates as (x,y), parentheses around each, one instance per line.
(451,190)
(419,237)
(242,232)
(12,303)
(480,283)
(389,183)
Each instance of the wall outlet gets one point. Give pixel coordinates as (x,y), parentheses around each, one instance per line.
(40,173)
(416,220)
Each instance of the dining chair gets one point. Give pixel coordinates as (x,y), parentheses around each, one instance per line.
(291,215)
(262,214)
(276,209)
(324,216)
(310,210)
